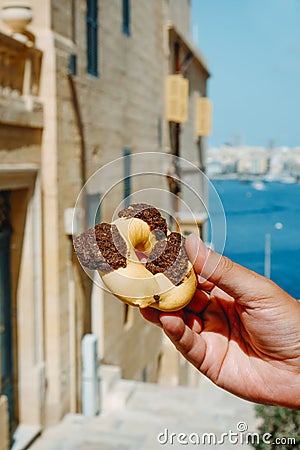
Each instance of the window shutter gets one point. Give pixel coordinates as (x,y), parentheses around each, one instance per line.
(177,89)
(184,99)
(203,116)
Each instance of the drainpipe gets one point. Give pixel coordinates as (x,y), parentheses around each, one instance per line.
(201,143)
(177,125)
(200,146)
(72,329)
(80,128)
(71,282)
(176,143)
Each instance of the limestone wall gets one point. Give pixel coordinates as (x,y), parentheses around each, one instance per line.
(124,107)
(4,441)
(78,124)
(179,15)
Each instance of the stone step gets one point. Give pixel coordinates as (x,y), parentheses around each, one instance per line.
(137,414)
(109,375)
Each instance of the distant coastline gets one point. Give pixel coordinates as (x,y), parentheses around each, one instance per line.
(289,179)
(257,210)
(251,163)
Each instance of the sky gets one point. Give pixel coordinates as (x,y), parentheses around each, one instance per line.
(253,52)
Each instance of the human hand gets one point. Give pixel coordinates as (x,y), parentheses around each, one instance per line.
(241,330)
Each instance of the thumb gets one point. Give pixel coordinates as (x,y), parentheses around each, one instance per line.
(235,280)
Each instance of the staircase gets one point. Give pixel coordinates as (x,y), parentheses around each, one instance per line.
(145,416)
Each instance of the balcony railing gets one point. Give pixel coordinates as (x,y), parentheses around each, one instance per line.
(20,68)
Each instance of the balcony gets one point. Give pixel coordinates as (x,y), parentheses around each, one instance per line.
(20,70)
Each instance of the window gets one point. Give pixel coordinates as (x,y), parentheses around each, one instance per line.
(92,37)
(72,66)
(93,210)
(127,175)
(126,17)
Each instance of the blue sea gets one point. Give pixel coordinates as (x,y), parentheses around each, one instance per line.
(256,212)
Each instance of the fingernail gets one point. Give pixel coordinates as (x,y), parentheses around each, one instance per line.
(161,319)
(197,326)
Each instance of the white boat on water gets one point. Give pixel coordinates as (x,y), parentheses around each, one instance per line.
(289,179)
(259,185)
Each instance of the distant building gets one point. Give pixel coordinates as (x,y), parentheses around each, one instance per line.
(277,164)
(252,161)
(82,85)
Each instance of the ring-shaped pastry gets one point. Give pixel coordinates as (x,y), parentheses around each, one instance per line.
(139,260)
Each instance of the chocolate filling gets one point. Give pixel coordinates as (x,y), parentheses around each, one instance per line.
(148,214)
(170,258)
(101,248)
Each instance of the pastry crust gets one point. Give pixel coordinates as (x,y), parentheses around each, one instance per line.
(139,260)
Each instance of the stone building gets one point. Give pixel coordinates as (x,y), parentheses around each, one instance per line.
(82,83)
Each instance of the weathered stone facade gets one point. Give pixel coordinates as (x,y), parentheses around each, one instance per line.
(54,135)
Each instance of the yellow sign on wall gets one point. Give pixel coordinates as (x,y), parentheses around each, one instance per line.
(177,95)
(203,116)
